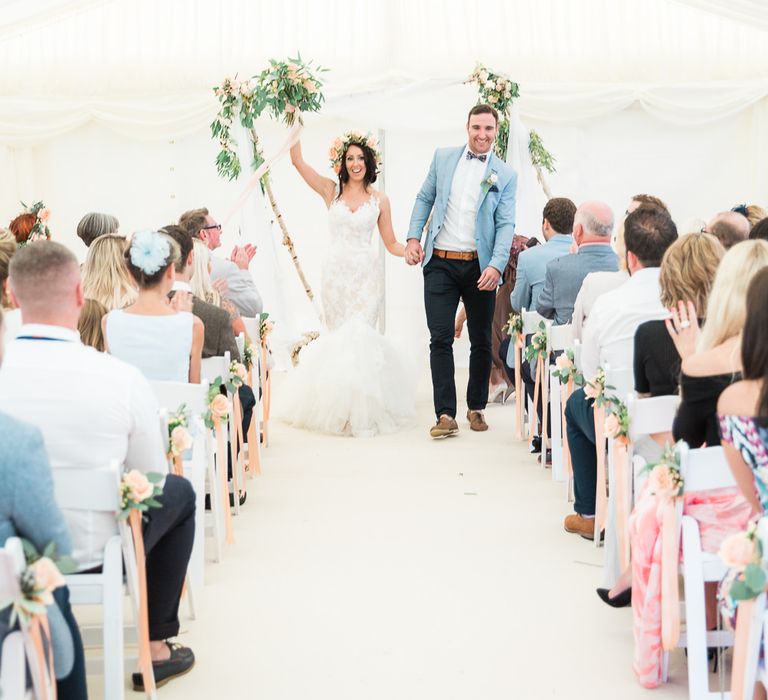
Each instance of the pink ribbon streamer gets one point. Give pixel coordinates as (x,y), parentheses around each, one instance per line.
(670,557)
(620,459)
(601,502)
(293,136)
(744,615)
(519,385)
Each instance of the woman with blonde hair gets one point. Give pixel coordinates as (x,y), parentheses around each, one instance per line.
(105,275)
(711,357)
(89,324)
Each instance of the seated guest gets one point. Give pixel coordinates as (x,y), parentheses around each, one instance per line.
(743,406)
(687,273)
(592,228)
(759,230)
(711,359)
(12,316)
(597,283)
(93,409)
(28,509)
(164,343)
(609,340)
(90,322)
(751,212)
(204,288)
(729,227)
(218,336)
(105,276)
(241,289)
(93,225)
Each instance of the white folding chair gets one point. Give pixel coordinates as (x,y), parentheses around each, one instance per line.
(648,416)
(200,468)
(702,469)
(97,490)
(531,320)
(559,339)
(18,652)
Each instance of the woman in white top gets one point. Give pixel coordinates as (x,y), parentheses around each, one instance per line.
(164,340)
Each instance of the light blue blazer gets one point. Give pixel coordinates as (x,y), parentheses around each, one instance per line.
(495,223)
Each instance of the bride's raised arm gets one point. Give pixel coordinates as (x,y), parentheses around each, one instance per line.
(324,186)
(386,231)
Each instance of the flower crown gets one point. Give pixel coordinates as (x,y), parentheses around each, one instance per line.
(150,251)
(40,230)
(353,138)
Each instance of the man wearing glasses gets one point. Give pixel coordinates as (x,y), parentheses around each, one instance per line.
(239,286)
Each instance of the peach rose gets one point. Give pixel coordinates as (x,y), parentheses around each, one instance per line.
(47,579)
(241,371)
(44,214)
(309,86)
(492,99)
(372,143)
(737,551)
(332,153)
(483,75)
(180,438)
(220,406)
(612,425)
(660,480)
(590,391)
(290,109)
(139,487)
(563,362)
(292,67)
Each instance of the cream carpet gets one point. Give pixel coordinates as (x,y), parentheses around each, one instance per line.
(401,567)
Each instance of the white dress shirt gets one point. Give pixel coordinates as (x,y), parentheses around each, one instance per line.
(91,408)
(241,289)
(458,231)
(609,336)
(595,284)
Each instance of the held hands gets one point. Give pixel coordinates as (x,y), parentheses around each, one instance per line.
(242,256)
(414,253)
(489,279)
(683,328)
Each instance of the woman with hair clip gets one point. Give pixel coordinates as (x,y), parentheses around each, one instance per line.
(163,339)
(350,381)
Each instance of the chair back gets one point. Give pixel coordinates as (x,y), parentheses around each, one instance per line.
(78,488)
(559,338)
(531,320)
(170,395)
(705,468)
(651,415)
(240,340)
(212,367)
(622,381)
(252,328)
(577,354)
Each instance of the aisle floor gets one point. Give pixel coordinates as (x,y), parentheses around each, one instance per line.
(401,567)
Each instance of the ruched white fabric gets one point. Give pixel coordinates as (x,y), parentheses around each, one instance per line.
(350,381)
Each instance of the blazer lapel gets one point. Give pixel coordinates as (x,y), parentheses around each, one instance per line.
(484,187)
(452,162)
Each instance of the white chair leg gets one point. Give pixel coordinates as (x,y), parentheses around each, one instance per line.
(558,472)
(112,622)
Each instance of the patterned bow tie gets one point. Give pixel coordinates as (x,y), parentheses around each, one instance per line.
(482,157)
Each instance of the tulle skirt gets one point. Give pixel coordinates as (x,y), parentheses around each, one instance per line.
(350,381)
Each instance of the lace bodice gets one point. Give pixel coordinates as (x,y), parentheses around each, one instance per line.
(352,281)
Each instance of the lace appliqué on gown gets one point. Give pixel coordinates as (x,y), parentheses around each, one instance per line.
(350,381)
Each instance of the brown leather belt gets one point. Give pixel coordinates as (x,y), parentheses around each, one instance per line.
(456,254)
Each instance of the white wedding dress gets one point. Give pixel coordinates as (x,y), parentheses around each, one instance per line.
(349,381)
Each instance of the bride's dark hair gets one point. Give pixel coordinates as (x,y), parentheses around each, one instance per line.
(370,166)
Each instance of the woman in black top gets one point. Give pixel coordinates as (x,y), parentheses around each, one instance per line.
(687,271)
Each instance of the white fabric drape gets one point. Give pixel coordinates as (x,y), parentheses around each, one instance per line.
(749,12)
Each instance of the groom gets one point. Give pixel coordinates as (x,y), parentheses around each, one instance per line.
(466,249)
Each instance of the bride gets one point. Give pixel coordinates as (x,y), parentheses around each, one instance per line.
(350,380)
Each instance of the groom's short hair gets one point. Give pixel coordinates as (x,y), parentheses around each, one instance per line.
(483,109)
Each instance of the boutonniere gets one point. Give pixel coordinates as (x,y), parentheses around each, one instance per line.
(489,184)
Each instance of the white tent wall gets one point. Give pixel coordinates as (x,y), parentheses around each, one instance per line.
(697,170)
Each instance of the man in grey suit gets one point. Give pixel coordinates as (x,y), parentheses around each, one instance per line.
(592,229)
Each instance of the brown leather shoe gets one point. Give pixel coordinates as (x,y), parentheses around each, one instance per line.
(445,427)
(579,525)
(476,421)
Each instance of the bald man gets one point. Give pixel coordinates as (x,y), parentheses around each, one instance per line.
(729,227)
(592,229)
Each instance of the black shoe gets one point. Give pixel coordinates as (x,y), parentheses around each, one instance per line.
(547,458)
(182,660)
(243,497)
(536,444)
(620,601)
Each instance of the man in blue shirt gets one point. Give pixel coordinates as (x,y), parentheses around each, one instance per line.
(556,228)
